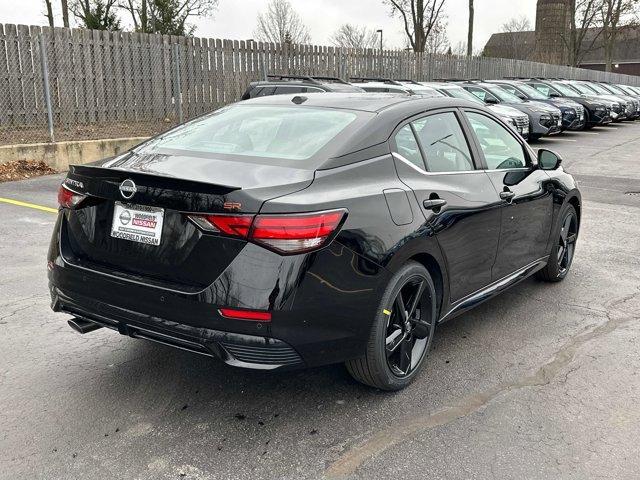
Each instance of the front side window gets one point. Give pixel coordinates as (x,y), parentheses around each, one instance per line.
(478,92)
(542,88)
(292,133)
(583,89)
(566,90)
(443,143)
(512,90)
(407,146)
(532,92)
(459,92)
(501,150)
(504,95)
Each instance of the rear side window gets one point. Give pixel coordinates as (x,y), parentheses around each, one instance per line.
(294,133)
(265,91)
(512,90)
(407,146)
(288,90)
(284,90)
(501,150)
(443,143)
(376,89)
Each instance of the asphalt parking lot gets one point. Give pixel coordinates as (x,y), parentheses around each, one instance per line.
(541,382)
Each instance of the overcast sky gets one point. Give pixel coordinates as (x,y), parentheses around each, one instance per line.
(235,19)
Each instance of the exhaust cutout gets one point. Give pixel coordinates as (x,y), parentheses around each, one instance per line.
(83,326)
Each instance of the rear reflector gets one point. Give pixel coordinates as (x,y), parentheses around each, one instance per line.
(253,315)
(284,233)
(69,199)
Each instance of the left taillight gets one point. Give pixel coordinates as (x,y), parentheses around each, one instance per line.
(69,199)
(283,233)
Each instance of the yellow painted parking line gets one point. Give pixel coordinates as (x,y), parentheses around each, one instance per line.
(28,205)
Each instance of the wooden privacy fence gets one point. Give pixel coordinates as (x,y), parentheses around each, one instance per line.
(81,84)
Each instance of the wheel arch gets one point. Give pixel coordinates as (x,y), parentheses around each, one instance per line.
(574,200)
(427,254)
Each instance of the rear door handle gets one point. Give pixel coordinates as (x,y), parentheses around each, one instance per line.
(434,203)
(507,195)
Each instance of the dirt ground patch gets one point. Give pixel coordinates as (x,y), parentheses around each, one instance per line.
(21,169)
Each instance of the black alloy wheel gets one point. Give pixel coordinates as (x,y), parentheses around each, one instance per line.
(402,331)
(407,332)
(562,254)
(567,242)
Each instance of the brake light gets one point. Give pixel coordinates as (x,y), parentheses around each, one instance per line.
(296,233)
(253,315)
(233,225)
(284,233)
(69,199)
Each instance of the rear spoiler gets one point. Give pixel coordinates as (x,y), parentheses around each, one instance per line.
(97,173)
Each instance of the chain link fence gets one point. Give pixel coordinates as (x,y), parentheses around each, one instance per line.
(61,84)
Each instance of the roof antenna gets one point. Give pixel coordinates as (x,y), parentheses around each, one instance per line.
(298,99)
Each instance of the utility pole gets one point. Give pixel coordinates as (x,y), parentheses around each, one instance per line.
(470,31)
(380,32)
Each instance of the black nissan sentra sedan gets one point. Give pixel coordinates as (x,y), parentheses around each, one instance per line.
(291,231)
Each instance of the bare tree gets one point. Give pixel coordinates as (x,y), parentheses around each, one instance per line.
(470,30)
(438,40)
(49,13)
(614,14)
(65,12)
(459,48)
(516,47)
(96,14)
(419,18)
(167,17)
(280,23)
(352,36)
(517,24)
(584,30)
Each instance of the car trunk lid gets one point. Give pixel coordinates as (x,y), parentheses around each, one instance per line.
(186,258)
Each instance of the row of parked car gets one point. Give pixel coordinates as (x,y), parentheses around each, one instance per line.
(535,107)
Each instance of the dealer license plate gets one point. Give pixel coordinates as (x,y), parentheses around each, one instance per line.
(137,223)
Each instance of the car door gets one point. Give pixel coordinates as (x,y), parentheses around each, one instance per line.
(435,159)
(527,202)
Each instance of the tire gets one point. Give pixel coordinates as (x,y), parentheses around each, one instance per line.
(564,246)
(587,119)
(384,364)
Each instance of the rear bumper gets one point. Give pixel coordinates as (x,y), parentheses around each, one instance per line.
(322,306)
(239,350)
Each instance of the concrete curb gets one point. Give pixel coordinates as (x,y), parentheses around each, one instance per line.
(60,155)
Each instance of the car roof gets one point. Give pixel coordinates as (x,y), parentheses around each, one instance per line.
(392,86)
(366,102)
(386,112)
(314,83)
(441,84)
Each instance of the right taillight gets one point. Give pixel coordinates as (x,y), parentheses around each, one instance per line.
(283,233)
(296,233)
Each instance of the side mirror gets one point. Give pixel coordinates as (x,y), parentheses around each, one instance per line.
(548,160)
(553,95)
(491,100)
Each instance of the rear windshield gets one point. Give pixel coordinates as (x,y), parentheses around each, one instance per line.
(292,133)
